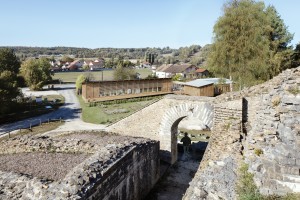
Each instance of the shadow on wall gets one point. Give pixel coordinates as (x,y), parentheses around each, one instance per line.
(175,179)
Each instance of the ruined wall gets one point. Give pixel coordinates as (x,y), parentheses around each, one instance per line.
(268,141)
(156,121)
(272,144)
(217,174)
(132,177)
(116,167)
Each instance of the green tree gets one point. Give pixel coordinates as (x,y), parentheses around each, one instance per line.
(124,73)
(67,59)
(241,43)
(36,73)
(296,56)
(80,79)
(280,38)
(9,68)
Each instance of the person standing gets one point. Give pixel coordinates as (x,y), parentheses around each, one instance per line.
(186,143)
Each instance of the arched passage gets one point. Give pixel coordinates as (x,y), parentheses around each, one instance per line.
(169,125)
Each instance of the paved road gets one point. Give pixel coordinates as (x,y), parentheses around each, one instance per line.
(70,112)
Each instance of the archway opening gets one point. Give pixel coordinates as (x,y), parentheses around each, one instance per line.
(199,134)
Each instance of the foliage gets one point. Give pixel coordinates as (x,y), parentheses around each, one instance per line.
(9,68)
(177,77)
(294,90)
(250,44)
(80,79)
(67,59)
(280,37)
(246,188)
(241,45)
(123,71)
(36,72)
(258,152)
(296,56)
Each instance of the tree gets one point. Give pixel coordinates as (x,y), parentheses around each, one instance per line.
(9,68)
(296,56)
(241,45)
(122,72)
(67,59)
(36,73)
(80,79)
(280,37)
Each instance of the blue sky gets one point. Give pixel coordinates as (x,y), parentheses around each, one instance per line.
(119,23)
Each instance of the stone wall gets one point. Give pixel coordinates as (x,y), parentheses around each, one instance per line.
(158,121)
(217,175)
(273,135)
(119,167)
(268,140)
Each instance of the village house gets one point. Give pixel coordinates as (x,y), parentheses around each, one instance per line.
(75,65)
(95,65)
(187,71)
(201,73)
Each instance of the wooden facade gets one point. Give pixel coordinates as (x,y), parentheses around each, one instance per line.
(206,90)
(112,90)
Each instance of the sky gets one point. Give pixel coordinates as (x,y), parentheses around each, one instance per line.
(120,23)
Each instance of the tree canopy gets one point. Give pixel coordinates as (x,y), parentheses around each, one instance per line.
(124,71)
(250,43)
(9,68)
(36,72)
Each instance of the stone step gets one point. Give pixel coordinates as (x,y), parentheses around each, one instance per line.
(295,187)
(291,178)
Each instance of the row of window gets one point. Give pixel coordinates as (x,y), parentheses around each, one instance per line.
(128,91)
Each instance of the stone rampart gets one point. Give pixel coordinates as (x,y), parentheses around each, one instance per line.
(116,167)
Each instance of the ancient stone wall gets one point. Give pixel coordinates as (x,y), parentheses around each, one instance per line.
(273,135)
(116,167)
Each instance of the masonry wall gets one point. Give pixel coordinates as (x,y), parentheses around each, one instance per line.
(132,177)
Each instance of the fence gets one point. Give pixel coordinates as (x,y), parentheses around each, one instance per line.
(32,123)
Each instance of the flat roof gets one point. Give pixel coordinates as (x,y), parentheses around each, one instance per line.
(206,81)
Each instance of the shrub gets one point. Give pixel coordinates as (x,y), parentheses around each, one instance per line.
(258,152)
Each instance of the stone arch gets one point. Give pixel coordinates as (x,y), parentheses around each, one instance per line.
(169,125)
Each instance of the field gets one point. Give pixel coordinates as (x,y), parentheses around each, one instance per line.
(95,75)
(105,113)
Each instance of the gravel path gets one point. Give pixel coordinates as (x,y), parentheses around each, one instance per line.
(53,166)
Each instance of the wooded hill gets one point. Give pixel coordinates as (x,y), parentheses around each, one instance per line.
(191,54)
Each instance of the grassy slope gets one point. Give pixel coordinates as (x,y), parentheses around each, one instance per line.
(99,114)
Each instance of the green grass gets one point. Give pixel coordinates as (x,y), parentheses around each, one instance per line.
(99,113)
(97,75)
(199,135)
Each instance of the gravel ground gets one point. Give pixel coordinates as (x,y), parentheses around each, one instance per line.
(53,166)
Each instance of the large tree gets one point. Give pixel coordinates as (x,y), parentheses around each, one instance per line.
(280,38)
(124,71)
(36,72)
(296,56)
(9,68)
(250,43)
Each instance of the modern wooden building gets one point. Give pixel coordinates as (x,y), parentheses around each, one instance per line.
(206,87)
(112,90)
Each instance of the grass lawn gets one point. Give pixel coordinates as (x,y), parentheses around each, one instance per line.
(195,135)
(45,127)
(96,75)
(31,109)
(105,114)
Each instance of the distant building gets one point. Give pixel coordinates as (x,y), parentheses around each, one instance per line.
(201,73)
(187,71)
(95,65)
(75,65)
(112,90)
